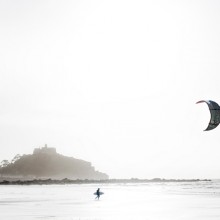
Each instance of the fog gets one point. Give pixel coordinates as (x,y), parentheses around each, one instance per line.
(112,82)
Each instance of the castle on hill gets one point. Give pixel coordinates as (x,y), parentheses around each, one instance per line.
(45,150)
(45,162)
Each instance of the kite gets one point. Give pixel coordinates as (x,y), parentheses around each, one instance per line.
(214,109)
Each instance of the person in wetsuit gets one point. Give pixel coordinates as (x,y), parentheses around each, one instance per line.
(98,193)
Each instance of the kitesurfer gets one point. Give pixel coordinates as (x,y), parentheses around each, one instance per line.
(98,193)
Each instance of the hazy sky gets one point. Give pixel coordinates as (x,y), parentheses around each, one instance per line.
(112,82)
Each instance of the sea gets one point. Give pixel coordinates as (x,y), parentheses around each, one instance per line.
(136,201)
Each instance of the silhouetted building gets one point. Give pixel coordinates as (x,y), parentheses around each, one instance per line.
(45,150)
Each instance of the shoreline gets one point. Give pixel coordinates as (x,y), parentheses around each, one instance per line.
(87,181)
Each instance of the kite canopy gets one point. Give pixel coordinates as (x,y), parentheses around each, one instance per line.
(214,109)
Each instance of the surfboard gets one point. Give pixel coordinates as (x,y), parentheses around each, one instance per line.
(100,193)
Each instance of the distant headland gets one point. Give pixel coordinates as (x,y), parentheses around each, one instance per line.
(46,166)
(46,163)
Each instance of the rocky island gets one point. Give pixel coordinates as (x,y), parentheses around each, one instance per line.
(46,163)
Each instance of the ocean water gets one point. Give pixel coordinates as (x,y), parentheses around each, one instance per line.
(148,201)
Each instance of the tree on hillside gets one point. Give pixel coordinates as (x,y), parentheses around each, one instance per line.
(5,163)
(16,157)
